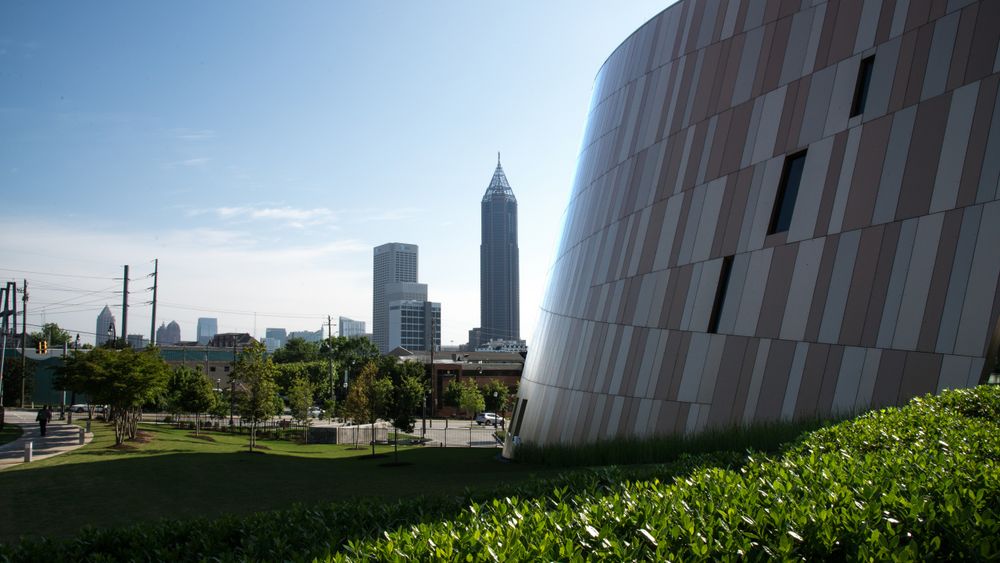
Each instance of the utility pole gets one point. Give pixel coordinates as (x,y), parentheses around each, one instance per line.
(24,336)
(125,307)
(152,324)
(329,331)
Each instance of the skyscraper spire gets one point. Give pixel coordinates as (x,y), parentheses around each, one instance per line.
(498,159)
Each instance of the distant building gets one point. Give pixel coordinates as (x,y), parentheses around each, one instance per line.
(105,321)
(414,325)
(393,263)
(274,338)
(499,281)
(307,335)
(136,341)
(498,345)
(168,334)
(351,327)
(207,328)
(237,340)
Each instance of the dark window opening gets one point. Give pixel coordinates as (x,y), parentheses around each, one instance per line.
(720,294)
(515,426)
(861,86)
(788,190)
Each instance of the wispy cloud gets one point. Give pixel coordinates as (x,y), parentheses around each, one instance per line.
(192,134)
(293,217)
(189,162)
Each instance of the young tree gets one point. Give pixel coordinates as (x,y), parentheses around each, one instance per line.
(407,396)
(300,398)
(368,397)
(191,391)
(495,395)
(122,379)
(256,392)
(471,399)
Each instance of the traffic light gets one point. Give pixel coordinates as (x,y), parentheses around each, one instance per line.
(43,347)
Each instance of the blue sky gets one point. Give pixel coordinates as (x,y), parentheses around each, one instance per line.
(261,150)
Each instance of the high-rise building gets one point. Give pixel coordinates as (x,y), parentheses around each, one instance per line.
(393,263)
(414,324)
(274,338)
(351,327)
(105,321)
(308,335)
(168,334)
(136,341)
(207,328)
(499,301)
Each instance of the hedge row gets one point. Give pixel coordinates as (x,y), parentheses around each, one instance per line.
(921,482)
(918,483)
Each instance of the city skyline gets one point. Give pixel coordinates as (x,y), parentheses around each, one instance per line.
(265,155)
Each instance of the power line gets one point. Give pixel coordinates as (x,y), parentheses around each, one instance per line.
(56,274)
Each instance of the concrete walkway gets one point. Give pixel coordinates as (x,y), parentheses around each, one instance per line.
(59,438)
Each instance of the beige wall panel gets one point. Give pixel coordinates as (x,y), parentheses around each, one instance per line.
(921,165)
(918,281)
(940,279)
(811,381)
(753,293)
(844,181)
(756,380)
(975,152)
(811,189)
(776,291)
(897,282)
(867,172)
(800,290)
(840,280)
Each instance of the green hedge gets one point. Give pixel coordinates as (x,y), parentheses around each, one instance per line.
(921,482)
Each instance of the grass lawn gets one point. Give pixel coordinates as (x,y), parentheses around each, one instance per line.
(9,433)
(176,475)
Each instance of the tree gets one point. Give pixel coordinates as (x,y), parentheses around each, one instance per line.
(369,397)
(52,334)
(122,379)
(12,378)
(470,399)
(407,396)
(300,398)
(495,395)
(256,392)
(296,350)
(191,391)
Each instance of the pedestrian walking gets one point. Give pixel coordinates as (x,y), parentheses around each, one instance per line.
(43,418)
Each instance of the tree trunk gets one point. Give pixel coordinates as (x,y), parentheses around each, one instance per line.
(197,423)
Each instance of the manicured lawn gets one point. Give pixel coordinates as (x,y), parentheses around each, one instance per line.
(176,475)
(9,433)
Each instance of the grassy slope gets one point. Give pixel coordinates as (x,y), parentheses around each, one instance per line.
(178,476)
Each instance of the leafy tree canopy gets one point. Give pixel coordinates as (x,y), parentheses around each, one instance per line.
(296,350)
(52,334)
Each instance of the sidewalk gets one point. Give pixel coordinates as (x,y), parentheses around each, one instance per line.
(59,438)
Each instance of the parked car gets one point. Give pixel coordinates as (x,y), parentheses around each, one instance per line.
(315,412)
(78,408)
(491,418)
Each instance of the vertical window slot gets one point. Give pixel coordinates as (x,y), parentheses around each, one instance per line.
(862,84)
(720,294)
(788,190)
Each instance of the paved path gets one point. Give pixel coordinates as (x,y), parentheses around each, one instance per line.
(59,438)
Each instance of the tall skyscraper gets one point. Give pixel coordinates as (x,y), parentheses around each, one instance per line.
(105,321)
(351,327)
(499,281)
(207,328)
(394,262)
(168,334)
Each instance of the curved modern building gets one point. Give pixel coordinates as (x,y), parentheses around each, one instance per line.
(782,208)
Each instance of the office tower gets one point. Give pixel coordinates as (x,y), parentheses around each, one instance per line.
(207,328)
(168,334)
(393,263)
(105,321)
(351,327)
(414,324)
(308,335)
(274,338)
(498,262)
